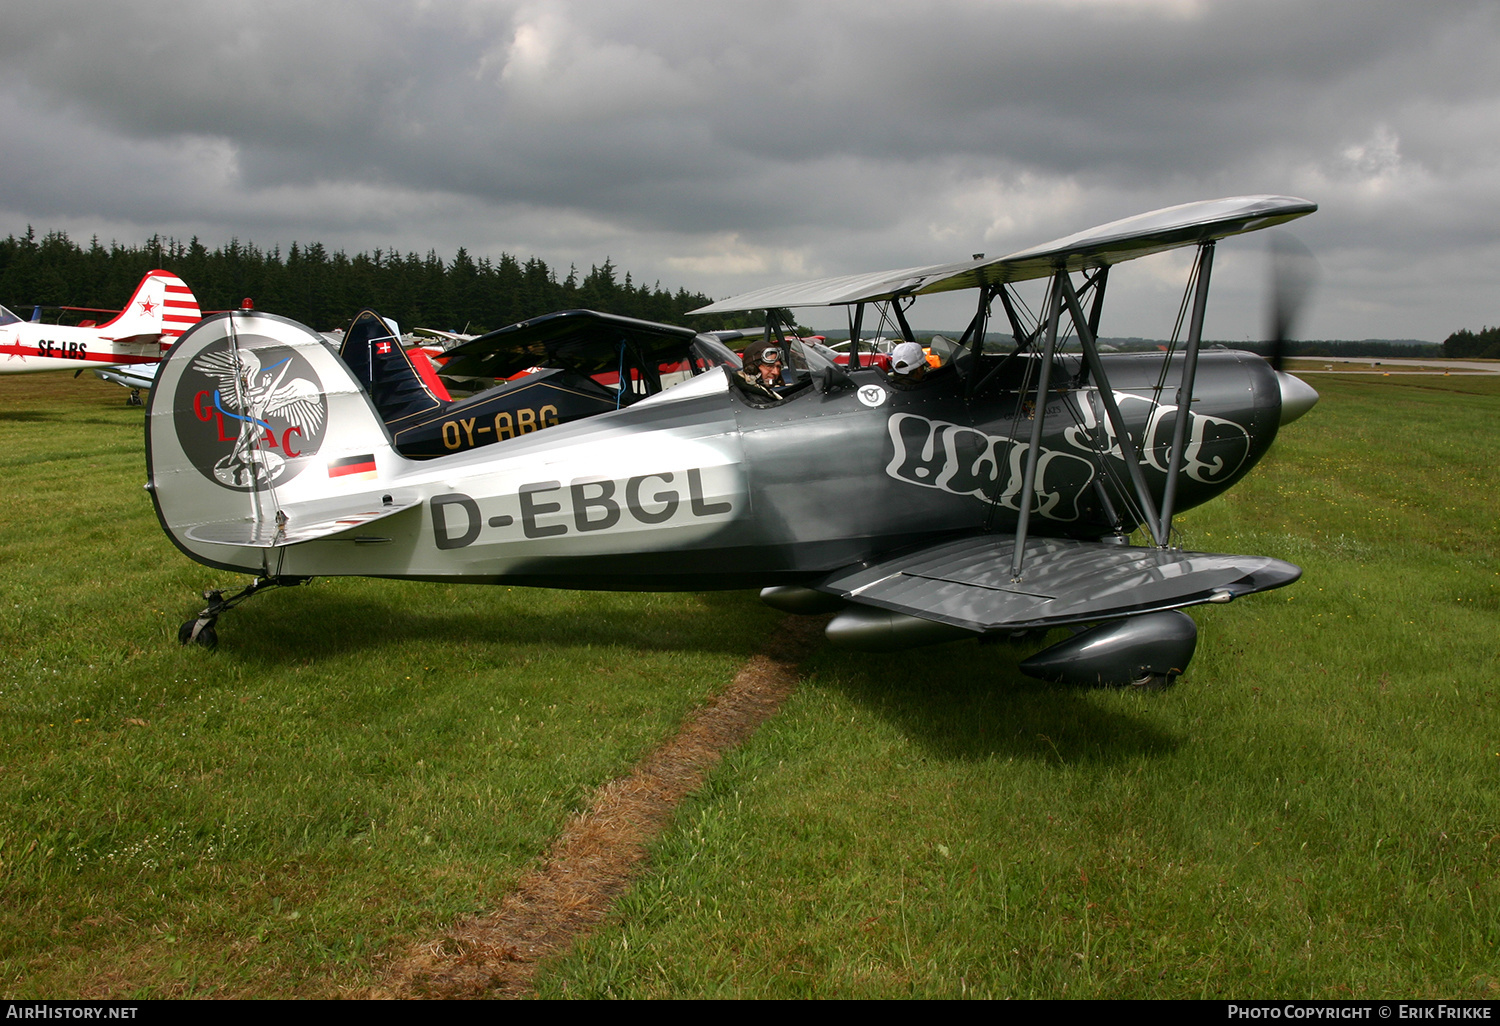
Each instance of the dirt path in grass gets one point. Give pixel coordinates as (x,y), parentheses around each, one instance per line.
(595,858)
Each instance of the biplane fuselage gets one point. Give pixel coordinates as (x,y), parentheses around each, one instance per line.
(994,496)
(700,488)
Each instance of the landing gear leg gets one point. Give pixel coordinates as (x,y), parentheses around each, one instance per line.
(201,628)
(134,398)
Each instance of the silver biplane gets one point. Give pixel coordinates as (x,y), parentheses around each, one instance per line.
(995,497)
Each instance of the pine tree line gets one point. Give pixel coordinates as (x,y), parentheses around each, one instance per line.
(323,290)
(1373,347)
(1466,344)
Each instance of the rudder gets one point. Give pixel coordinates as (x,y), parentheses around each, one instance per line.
(256,427)
(374,354)
(162,307)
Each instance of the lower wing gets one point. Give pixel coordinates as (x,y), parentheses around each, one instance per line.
(969,583)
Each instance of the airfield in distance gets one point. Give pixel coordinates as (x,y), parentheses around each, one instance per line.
(1402,364)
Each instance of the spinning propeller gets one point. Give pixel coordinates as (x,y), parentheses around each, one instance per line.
(1294,271)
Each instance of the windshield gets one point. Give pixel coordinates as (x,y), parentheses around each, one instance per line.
(708,353)
(6,317)
(811,356)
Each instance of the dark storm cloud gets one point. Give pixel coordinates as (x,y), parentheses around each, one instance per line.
(725,146)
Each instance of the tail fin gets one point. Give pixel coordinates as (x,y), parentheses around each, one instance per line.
(374,354)
(259,437)
(162,307)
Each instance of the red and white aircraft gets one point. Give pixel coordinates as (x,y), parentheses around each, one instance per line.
(161,309)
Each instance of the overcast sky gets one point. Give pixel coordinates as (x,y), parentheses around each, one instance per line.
(725,147)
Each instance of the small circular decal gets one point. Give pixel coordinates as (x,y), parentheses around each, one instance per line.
(252,416)
(872,395)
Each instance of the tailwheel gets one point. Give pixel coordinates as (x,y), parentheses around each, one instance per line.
(201,630)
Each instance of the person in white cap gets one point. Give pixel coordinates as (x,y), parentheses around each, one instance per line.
(908,365)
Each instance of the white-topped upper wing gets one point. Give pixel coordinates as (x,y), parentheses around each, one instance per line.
(844,288)
(1184,225)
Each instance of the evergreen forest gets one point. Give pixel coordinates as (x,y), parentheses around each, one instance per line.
(324,290)
(1466,344)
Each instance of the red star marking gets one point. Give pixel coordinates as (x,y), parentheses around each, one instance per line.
(383,348)
(147,306)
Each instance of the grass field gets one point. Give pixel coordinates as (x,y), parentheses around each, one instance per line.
(1310,812)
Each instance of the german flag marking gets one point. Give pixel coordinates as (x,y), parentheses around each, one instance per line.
(363,466)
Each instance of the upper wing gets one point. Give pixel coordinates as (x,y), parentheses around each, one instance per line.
(840,289)
(447,339)
(1138,236)
(967,583)
(583,341)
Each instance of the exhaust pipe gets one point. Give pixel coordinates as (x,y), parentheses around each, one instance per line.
(866,629)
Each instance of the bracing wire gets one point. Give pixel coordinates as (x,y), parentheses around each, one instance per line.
(1031,370)
(1182,312)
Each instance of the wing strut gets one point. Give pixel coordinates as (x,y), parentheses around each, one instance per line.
(1111,408)
(1024,339)
(1101,279)
(855,326)
(1034,449)
(1185,389)
(900,315)
(974,336)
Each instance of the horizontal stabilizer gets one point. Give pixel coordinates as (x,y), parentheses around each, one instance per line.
(268,534)
(140,375)
(967,583)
